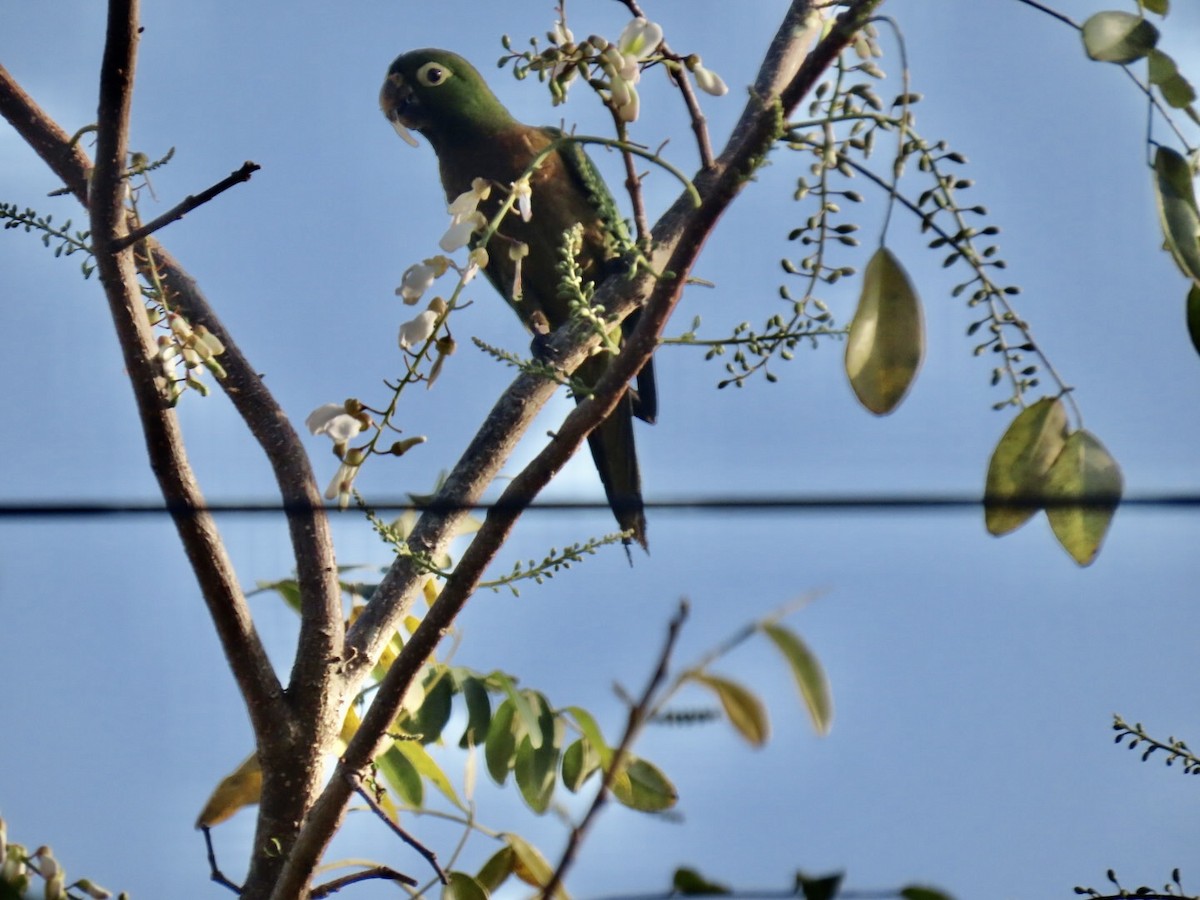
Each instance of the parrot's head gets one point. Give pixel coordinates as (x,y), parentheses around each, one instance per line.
(439,94)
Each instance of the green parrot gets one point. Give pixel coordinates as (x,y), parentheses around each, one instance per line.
(440,95)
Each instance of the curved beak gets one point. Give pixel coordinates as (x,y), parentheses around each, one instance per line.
(396,99)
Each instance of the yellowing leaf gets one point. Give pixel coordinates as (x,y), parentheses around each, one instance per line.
(1177,210)
(1118,37)
(1083,472)
(642,786)
(745,711)
(528,863)
(1020,462)
(242,787)
(810,677)
(887,336)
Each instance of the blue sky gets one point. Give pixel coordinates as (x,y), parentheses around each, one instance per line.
(974,678)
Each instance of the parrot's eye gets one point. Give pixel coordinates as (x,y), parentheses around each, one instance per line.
(432,74)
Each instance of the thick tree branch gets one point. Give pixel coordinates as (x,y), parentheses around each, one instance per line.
(679,236)
(291,742)
(308,524)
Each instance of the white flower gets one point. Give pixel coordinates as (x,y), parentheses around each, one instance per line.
(416,280)
(640,38)
(709,82)
(468,201)
(460,231)
(418,330)
(343,481)
(561,34)
(332,419)
(476,260)
(524,202)
(622,61)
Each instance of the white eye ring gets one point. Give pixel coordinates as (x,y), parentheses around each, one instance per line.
(433,73)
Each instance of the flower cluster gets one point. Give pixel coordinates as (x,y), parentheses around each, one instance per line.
(195,348)
(341,423)
(612,68)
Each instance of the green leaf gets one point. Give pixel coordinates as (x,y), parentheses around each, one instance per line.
(479,711)
(591,731)
(580,760)
(428,768)
(886,342)
(1193,315)
(500,749)
(496,870)
(1118,37)
(428,720)
(521,705)
(1176,90)
(691,883)
(918,892)
(820,887)
(1156,6)
(1020,462)
(528,863)
(745,711)
(1177,210)
(536,766)
(288,589)
(1084,471)
(642,786)
(399,772)
(462,886)
(810,677)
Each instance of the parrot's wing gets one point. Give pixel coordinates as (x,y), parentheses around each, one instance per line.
(621,246)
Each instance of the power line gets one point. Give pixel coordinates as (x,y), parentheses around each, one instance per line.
(917,502)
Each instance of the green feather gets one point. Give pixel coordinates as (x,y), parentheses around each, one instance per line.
(440,95)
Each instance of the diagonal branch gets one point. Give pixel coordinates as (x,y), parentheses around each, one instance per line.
(679,236)
(308,525)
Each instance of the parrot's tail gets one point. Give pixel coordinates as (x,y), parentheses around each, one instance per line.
(616,460)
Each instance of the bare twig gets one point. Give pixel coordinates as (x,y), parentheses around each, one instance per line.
(355,781)
(187,205)
(214,871)
(638,714)
(332,887)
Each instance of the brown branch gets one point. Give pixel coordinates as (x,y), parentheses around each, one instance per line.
(382,872)
(678,237)
(638,714)
(187,205)
(321,635)
(291,746)
(354,779)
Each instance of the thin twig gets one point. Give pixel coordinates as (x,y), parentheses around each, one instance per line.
(332,887)
(638,715)
(214,871)
(354,779)
(187,205)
